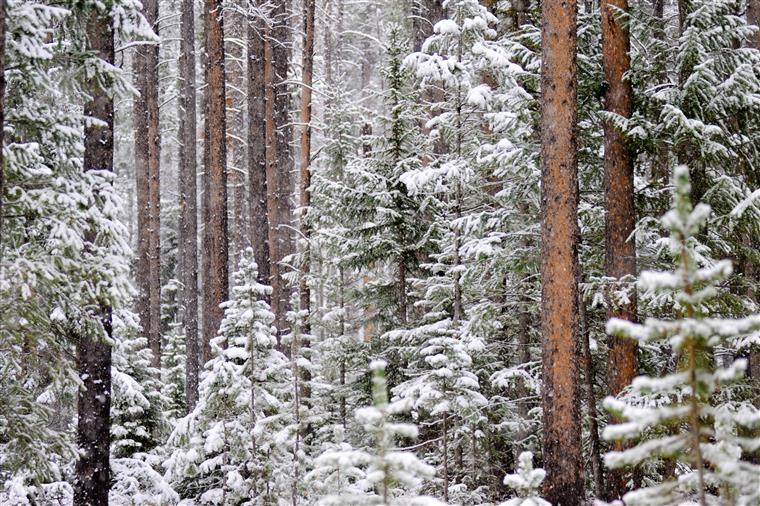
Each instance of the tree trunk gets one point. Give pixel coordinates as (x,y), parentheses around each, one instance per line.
(235,73)
(305,165)
(2,113)
(93,469)
(753,18)
(660,172)
(587,363)
(207,331)
(258,222)
(425,14)
(257,183)
(279,158)
(563,458)
(188,205)
(216,170)
(523,343)
(147,166)
(620,246)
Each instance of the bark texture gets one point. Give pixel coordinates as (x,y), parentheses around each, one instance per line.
(188,196)
(559,263)
(620,214)
(279,158)
(2,112)
(753,18)
(587,364)
(258,231)
(235,74)
(93,469)
(750,269)
(425,14)
(216,174)
(305,162)
(147,166)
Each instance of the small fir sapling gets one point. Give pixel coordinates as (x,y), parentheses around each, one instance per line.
(687,415)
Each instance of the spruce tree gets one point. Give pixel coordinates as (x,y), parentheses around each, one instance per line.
(691,414)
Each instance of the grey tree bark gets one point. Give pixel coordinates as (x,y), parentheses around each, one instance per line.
(188,200)
(93,469)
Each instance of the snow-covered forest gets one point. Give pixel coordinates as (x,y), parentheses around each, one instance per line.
(380,252)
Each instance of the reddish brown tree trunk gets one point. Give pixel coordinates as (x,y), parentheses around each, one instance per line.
(305,165)
(188,204)
(147,166)
(620,246)
(93,469)
(216,171)
(257,184)
(563,458)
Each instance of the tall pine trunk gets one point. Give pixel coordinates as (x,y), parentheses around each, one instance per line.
(147,166)
(305,193)
(563,456)
(93,469)
(620,213)
(258,232)
(753,18)
(188,195)
(305,162)
(749,268)
(235,74)
(280,163)
(2,115)
(216,240)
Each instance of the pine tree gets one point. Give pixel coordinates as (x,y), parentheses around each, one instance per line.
(695,418)
(526,482)
(380,475)
(234,444)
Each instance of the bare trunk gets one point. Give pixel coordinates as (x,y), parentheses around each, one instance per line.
(341,334)
(93,469)
(588,383)
(425,14)
(147,166)
(235,74)
(661,158)
(305,196)
(445,439)
(402,299)
(216,173)
(563,458)
(521,13)
(305,165)
(279,158)
(524,343)
(188,205)
(2,116)
(272,184)
(620,247)
(753,18)
(749,268)
(281,53)
(258,223)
